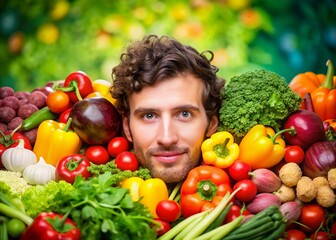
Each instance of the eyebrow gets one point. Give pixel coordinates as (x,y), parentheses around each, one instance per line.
(181,107)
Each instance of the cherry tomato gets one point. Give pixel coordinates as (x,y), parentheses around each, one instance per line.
(239,170)
(127,161)
(117,145)
(312,215)
(294,154)
(97,154)
(234,212)
(58,101)
(63,118)
(319,236)
(168,210)
(248,190)
(295,234)
(162,228)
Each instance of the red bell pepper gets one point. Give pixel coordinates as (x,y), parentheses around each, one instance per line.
(77,85)
(10,140)
(72,165)
(203,189)
(51,226)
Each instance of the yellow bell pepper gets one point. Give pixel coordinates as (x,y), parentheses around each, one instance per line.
(150,192)
(220,150)
(101,89)
(261,147)
(54,141)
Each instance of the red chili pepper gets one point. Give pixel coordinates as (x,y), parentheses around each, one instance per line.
(77,85)
(51,226)
(203,189)
(72,165)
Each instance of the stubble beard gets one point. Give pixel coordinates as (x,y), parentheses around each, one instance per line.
(170,173)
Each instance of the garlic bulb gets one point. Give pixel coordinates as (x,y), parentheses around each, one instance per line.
(18,158)
(39,173)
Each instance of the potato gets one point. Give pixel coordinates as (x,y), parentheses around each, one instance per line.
(7,114)
(6,91)
(27,110)
(11,102)
(14,123)
(31,135)
(3,127)
(38,98)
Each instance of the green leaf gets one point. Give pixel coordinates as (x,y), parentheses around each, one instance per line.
(89,212)
(127,202)
(108,226)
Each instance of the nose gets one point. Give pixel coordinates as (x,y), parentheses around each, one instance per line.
(167,134)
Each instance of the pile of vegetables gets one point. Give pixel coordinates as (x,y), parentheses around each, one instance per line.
(269,172)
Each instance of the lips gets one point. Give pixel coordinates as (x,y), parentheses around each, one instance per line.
(168,157)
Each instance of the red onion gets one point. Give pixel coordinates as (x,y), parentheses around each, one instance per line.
(319,159)
(308,129)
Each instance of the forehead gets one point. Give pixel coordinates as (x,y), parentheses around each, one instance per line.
(171,92)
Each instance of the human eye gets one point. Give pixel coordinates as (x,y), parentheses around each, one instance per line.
(148,116)
(185,114)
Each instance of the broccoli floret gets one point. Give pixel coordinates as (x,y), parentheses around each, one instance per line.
(256,97)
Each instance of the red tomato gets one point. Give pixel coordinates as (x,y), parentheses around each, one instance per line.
(248,190)
(2,149)
(58,101)
(16,136)
(168,210)
(239,170)
(319,236)
(163,226)
(333,229)
(234,212)
(117,145)
(294,154)
(312,215)
(63,118)
(97,154)
(295,234)
(127,161)
(70,166)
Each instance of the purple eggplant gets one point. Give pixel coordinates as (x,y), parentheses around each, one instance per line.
(95,120)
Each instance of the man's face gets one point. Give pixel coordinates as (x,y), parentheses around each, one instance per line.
(167,125)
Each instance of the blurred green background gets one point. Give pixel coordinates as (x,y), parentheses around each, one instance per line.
(41,41)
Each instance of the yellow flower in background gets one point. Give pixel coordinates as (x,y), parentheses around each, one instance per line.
(60,10)
(48,33)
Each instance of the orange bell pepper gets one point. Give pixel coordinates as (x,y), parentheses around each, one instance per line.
(261,147)
(324,97)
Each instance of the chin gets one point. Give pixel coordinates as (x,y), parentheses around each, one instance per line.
(170,175)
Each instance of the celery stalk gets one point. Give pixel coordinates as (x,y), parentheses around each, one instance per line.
(181,225)
(14,213)
(220,232)
(210,217)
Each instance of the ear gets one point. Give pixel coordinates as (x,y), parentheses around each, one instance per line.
(126,128)
(212,126)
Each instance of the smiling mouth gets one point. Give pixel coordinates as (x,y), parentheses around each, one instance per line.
(168,157)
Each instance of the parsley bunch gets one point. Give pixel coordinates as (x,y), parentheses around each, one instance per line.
(102,211)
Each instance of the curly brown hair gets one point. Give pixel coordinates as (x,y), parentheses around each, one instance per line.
(158,58)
